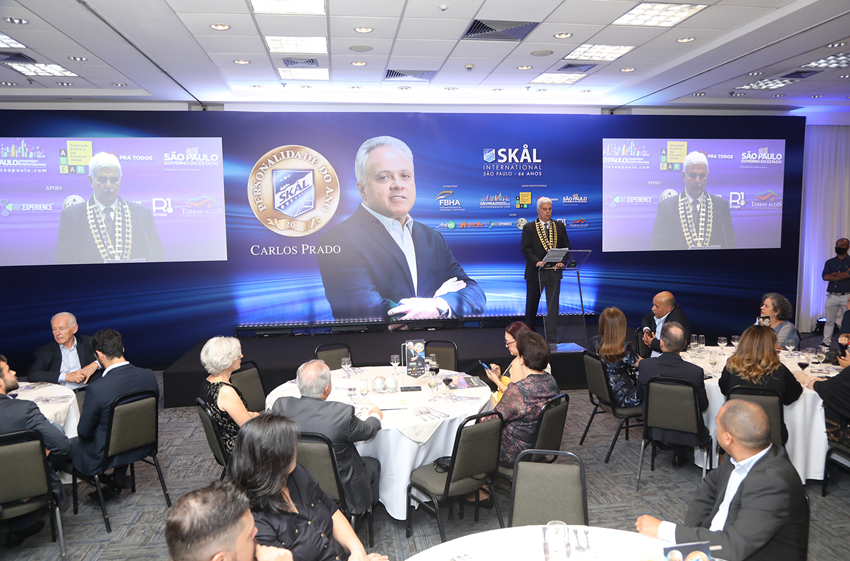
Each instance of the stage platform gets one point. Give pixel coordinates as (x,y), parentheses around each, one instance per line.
(278,357)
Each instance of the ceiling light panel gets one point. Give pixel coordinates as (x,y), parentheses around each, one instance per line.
(767,84)
(297,45)
(289,7)
(598,52)
(40,69)
(303,73)
(7,42)
(557,78)
(658,15)
(840,60)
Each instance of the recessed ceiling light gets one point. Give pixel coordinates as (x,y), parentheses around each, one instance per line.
(289,7)
(303,73)
(64,84)
(542,90)
(768,84)
(755,73)
(119,84)
(841,60)
(220,26)
(627,70)
(40,69)
(658,15)
(7,42)
(497,89)
(242,61)
(586,91)
(835,45)
(450,88)
(306,87)
(738,94)
(358,63)
(598,52)
(542,53)
(360,48)
(404,88)
(562,35)
(685,39)
(297,45)
(77,58)
(778,95)
(524,67)
(16,21)
(845,76)
(355,87)
(699,94)
(363,29)
(558,78)
(9,84)
(256,86)
(816,96)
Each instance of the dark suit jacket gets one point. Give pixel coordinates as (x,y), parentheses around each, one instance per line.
(48,361)
(845,323)
(673,366)
(667,232)
(677,315)
(768,516)
(370,274)
(533,249)
(22,414)
(94,419)
(338,422)
(75,243)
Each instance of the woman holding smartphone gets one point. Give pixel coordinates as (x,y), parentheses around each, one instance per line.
(494,372)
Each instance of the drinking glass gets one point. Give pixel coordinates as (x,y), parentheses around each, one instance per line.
(735,340)
(701,345)
(802,361)
(821,354)
(694,344)
(721,342)
(395,360)
(556,540)
(712,360)
(810,354)
(432,383)
(345,364)
(790,347)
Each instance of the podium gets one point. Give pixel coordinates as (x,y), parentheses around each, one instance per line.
(575,260)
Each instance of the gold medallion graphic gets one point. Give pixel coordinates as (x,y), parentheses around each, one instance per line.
(293,191)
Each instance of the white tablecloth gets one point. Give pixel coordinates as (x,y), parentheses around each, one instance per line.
(807,444)
(398,454)
(526,543)
(56,402)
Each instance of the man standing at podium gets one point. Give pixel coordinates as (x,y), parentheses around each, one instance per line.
(538,238)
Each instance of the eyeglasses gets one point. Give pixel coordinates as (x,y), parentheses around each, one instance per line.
(509,343)
(697,175)
(103,180)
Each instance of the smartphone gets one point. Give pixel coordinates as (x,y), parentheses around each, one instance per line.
(484,365)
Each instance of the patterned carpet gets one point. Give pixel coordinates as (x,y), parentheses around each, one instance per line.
(138,519)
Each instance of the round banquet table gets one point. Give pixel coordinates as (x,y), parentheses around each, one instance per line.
(406,440)
(56,402)
(807,443)
(526,542)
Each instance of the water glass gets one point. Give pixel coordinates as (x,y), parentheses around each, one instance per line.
(345,364)
(712,360)
(556,541)
(735,340)
(395,360)
(790,347)
(694,343)
(721,342)
(822,350)
(701,343)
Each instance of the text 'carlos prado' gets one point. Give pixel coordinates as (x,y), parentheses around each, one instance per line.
(303,249)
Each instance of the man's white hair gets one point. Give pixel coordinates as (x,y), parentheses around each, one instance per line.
(103,160)
(72,320)
(695,158)
(542,200)
(371,144)
(312,378)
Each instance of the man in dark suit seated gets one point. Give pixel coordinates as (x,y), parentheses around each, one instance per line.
(753,506)
(69,360)
(19,415)
(664,308)
(670,364)
(313,413)
(119,378)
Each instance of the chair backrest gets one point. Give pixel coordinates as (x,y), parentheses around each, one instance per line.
(770,401)
(597,384)
(250,383)
(672,404)
(133,424)
(642,350)
(23,466)
(445,351)
(476,449)
(544,492)
(550,425)
(332,354)
(316,454)
(213,436)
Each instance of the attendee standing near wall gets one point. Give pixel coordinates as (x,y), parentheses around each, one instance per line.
(836,272)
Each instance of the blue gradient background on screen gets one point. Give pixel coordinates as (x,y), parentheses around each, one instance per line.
(165,308)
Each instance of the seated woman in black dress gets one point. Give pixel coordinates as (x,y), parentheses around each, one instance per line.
(221,356)
(290,509)
(756,365)
(618,355)
(835,393)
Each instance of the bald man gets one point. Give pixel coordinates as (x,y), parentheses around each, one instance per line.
(754,506)
(664,308)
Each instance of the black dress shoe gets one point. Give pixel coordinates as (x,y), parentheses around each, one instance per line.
(679,461)
(109,493)
(14,539)
(122,482)
(483,503)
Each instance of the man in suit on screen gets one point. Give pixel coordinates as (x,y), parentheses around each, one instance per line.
(107,227)
(389,264)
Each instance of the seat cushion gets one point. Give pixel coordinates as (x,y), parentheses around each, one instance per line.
(429,479)
(629,411)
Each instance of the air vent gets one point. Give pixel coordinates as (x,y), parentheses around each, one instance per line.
(301,62)
(16,57)
(410,75)
(491,30)
(576,68)
(802,74)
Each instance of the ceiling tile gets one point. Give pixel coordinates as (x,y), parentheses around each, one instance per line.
(725,17)
(646,54)
(486,49)
(589,11)
(209,6)
(43,39)
(365,74)
(223,44)
(452,29)
(702,37)
(545,32)
(481,65)
(365,8)
(626,35)
(430,9)
(225,60)
(247,73)
(293,26)
(510,11)
(382,28)
(423,48)
(415,63)
(343,45)
(199,24)
(344,61)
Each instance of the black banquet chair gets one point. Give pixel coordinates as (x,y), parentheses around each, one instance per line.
(544,492)
(213,436)
(444,351)
(332,354)
(250,383)
(771,402)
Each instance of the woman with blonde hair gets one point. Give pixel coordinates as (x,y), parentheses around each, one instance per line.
(756,365)
(618,355)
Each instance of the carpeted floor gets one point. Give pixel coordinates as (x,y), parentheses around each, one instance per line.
(138,519)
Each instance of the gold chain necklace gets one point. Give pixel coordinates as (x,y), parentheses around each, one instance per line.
(696,237)
(97,225)
(552,240)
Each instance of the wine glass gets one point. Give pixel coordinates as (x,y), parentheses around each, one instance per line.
(810,354)
(432,383)
(721,342)
(802,361)
(789,345)
(821,354)
(395,360)
(735,340)
(712,360)
(345,364)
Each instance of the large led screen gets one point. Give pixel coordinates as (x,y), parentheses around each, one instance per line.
(165,199)
(729,197)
